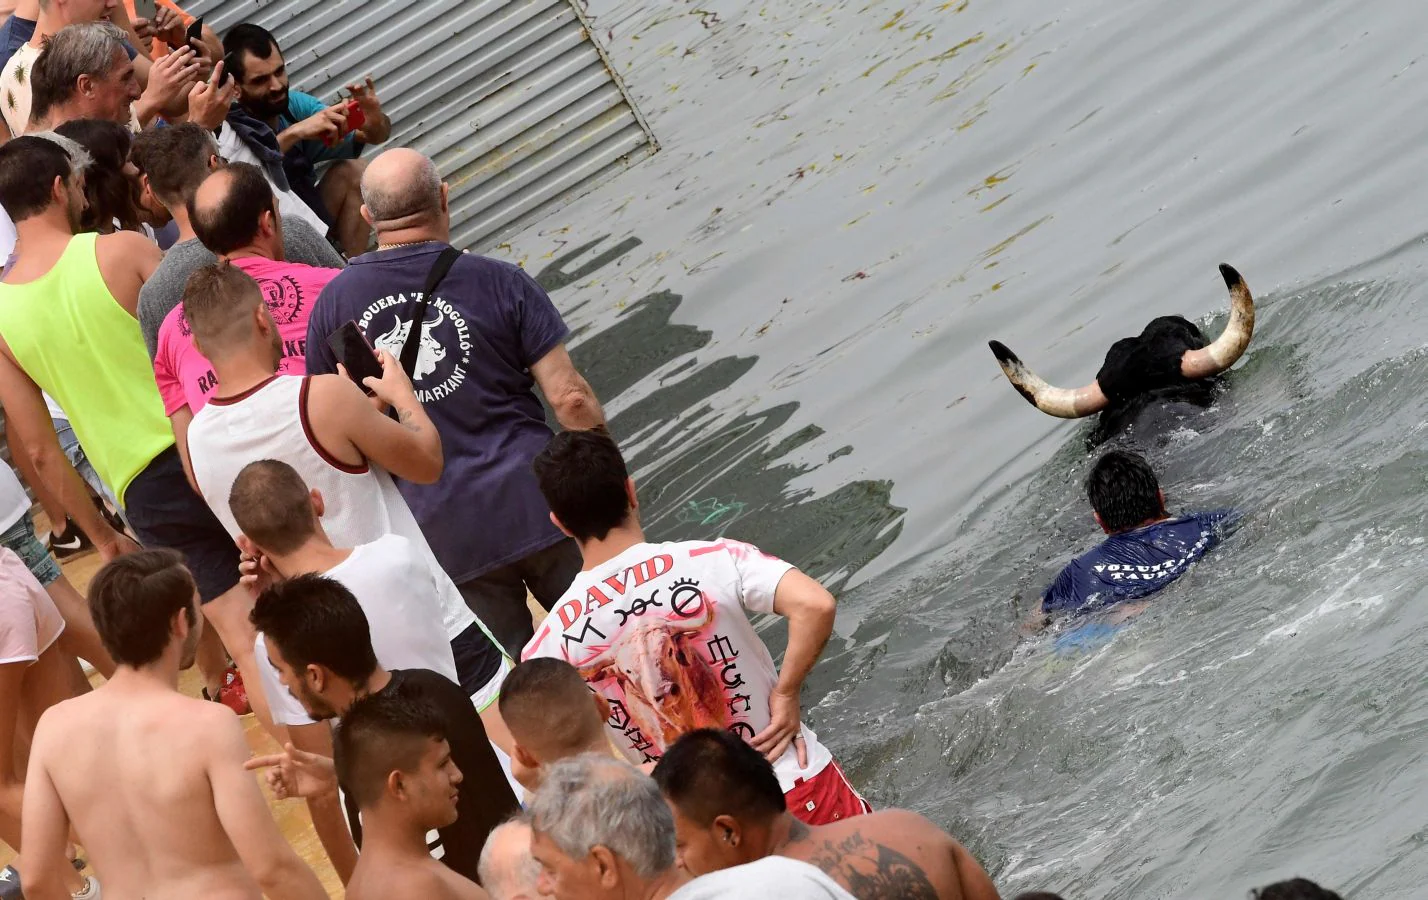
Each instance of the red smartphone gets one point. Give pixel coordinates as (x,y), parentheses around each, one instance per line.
(355,120)
(350,346)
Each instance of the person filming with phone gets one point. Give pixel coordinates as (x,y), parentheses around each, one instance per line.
(320,143)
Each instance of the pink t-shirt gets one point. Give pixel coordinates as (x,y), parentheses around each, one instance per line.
(186,379)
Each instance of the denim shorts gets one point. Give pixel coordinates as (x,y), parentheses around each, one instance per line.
(21,538)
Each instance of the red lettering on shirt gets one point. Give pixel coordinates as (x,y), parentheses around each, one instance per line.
(569,612)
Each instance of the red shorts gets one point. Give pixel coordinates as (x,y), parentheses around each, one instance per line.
(825,798)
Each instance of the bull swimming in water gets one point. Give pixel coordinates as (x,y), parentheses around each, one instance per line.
(1170,362)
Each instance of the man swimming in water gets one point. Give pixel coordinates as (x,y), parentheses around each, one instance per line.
(1147,548)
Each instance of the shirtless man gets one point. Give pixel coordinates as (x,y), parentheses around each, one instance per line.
(552,715)
(729,810)
(152,781)
(394,762)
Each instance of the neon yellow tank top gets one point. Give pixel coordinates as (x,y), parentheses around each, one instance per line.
(76,342)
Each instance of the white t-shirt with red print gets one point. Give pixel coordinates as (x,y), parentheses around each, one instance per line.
(662,633)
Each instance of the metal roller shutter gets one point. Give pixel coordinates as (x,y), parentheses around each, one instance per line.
(513,99)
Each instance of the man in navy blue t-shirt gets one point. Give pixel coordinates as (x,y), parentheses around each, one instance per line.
(489,337)
(1146,550)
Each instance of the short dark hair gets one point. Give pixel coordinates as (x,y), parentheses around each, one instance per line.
(216,299)
(134,598)
(247,38)
(108,190)
(232,222)
(272,506)
(175,159)
(1124,491)
(582,476)
(315,620)
(710,772)
(1295,889)
(28,168)
(381,733)
(84,48)
(547,701)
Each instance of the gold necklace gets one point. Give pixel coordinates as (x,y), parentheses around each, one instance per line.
(381,246)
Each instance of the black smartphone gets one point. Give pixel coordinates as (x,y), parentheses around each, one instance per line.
(195,31)
(350,346)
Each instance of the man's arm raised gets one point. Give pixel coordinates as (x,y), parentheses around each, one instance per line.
(249,825)
(343,420)
(27,415)
(810,611)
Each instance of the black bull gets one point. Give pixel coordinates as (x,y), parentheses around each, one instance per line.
(1169,362)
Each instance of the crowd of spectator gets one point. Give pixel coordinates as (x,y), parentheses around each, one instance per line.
(344,537)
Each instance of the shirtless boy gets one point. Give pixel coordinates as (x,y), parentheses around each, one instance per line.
(152,781)
(729,810)
(393,760)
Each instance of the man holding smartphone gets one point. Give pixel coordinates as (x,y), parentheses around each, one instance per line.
(321,143)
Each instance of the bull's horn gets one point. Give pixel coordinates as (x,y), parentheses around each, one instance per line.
(1231,344)
(1060,402)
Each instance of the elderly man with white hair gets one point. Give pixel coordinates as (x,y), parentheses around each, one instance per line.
(601,830)
(508,871)
(476,336)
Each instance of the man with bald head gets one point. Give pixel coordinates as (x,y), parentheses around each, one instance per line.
(475,350)
(235,215)
(508,871)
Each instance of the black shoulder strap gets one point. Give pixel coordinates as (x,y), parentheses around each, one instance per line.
(412,347)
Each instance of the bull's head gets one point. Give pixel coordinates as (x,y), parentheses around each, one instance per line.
(1196,362)
(651,655)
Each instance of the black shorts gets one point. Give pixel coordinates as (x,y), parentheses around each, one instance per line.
(478,660)
(165,512)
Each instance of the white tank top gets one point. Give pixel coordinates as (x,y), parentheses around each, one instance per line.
(362,504)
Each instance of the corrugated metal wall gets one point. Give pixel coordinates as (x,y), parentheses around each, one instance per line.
(512,98)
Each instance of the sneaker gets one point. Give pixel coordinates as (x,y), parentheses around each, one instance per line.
(10,884)
(232,694)
(68,542)
(90,891)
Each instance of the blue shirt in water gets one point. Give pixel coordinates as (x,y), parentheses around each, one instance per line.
(1136,563)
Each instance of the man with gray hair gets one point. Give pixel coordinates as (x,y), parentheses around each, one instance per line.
(90,67)
(508,871)
(476,343)
(600,830)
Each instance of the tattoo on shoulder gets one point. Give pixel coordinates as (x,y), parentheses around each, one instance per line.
(871,871)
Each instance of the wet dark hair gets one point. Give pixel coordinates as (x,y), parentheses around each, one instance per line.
(582,476)
(1294,889)
(710,772)
(381,733)
(109,191)
(134,598)
(247,38)
(176,160)
(1123,491)
(272,505)
(232,222)
(28,169)
(314,620)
